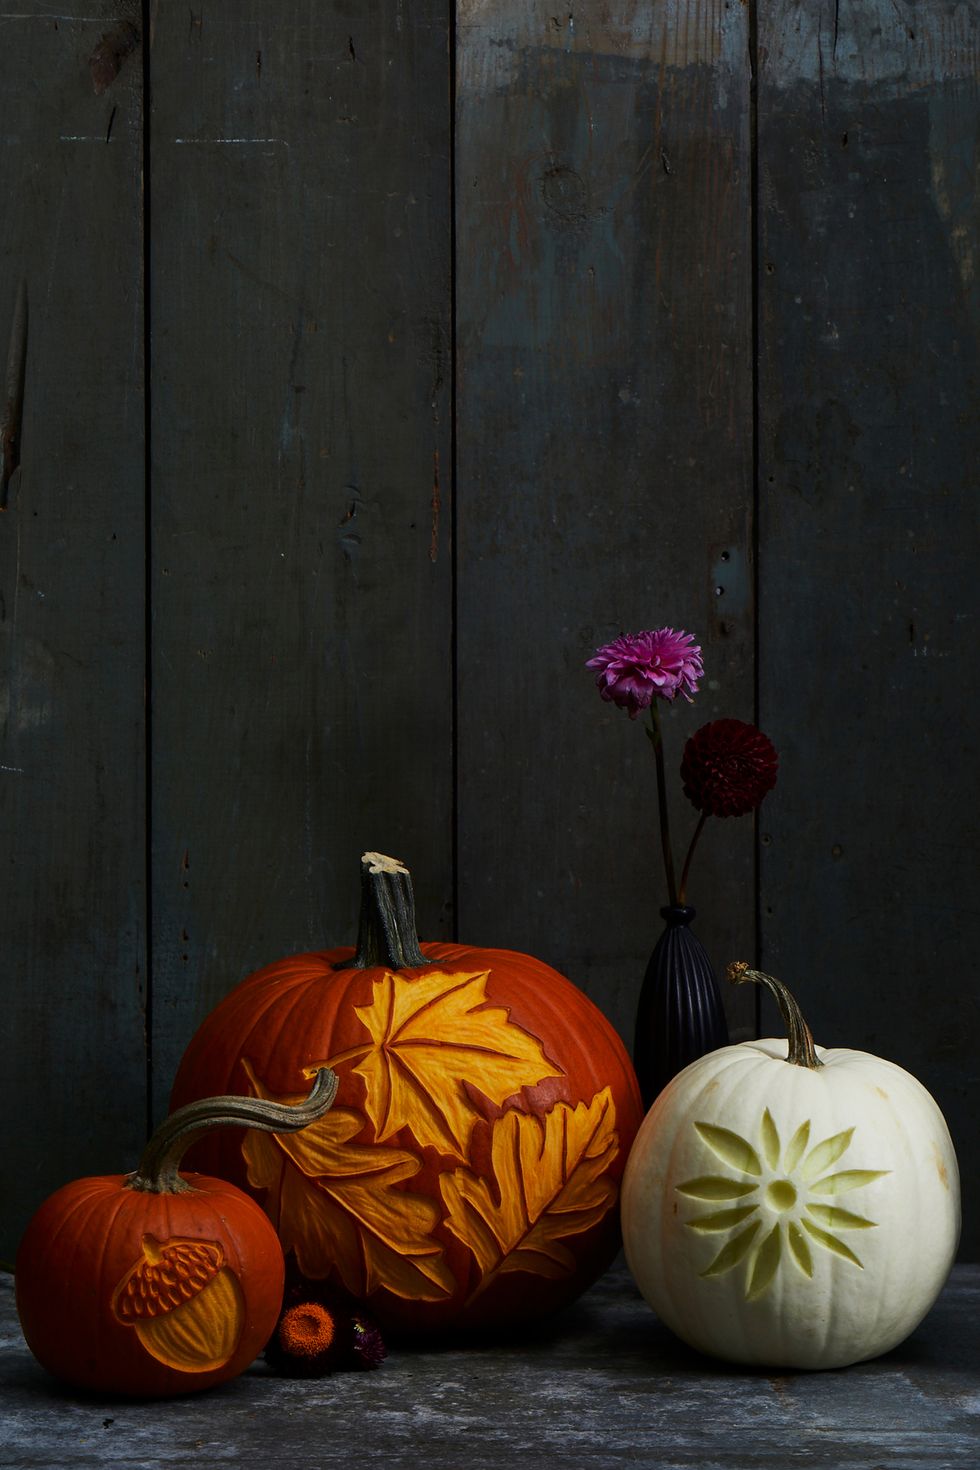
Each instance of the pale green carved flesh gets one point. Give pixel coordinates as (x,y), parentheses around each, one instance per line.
(730,1148)
(826,1153)
(781,1195)
(824,1238)
(715,1186)
(770,1140)
(799,1249)
(778,1219)
(733,1252)
(848,1179)
(766,1261)
(721,1220)
(839,1219)
(796,1147)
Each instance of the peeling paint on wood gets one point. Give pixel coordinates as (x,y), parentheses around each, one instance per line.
(109,56)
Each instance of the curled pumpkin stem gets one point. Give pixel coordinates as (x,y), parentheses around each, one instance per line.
(802,1051)
(159,1165)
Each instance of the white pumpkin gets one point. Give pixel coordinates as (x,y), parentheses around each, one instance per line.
(789,1205)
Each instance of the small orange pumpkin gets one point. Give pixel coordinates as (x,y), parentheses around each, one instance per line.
(469,1175)
(156,1282)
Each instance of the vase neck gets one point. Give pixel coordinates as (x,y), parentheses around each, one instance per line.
(677,913)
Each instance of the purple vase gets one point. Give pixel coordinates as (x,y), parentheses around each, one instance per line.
(679,1016)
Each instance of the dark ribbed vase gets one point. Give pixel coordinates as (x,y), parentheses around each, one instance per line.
(679,1016)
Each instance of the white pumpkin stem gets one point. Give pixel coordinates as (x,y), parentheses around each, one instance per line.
(159,1165)
(386,934)
(802,1052)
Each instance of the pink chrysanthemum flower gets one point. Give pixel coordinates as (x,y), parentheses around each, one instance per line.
(633,670)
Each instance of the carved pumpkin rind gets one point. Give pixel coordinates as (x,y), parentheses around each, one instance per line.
(84,1243)
(788,1216)
(157,1282)
(437,1064)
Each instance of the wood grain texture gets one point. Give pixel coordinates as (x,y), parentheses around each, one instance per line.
(604,1385)
(869,156)
(71,608)
(605,463)
(336,665)
(301,514)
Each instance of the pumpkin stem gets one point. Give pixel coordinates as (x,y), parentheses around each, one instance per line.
(802,1052)
(158,1171)
(386,934)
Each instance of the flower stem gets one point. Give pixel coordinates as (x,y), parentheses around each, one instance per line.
(682,890)
(658,751)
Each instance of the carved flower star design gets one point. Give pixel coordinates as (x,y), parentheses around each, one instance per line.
(782,1203)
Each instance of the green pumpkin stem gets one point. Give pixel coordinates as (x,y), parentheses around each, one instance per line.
(386,934)
(802,1052)
(158,1171)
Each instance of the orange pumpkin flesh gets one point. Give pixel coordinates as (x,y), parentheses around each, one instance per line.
(154,1283)
(469,1174)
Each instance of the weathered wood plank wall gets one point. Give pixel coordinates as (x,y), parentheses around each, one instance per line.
(869,413)
(72,599)
(605,460)
(302,569)
(474,338)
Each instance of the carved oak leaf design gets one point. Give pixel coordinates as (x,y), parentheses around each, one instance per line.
(550,1182)
(332,1202)
(431,1034)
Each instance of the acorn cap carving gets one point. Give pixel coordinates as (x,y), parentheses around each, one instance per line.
(184,1302)
(169,1274)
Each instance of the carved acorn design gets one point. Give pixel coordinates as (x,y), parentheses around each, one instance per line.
(184,1302)
(158,1282)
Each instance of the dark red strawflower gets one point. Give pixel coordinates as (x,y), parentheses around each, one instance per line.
(367,1347)
(728,767)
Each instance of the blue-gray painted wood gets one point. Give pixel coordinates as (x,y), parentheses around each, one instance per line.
(869,137)
(72,840)
(301,576)
(325,675)
(605,465)
(605,1385)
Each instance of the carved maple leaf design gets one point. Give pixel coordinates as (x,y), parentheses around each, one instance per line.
(550,1182)
(333,1203)
(430,1035)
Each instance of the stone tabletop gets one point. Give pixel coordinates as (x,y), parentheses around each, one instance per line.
(605,1384)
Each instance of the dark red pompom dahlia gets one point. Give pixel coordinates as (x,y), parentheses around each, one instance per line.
(728,767)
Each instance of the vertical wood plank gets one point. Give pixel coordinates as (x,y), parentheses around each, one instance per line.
(605,462)
(71,602)
(301,530)
(870,440)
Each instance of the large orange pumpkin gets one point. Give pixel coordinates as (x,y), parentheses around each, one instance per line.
(469,1174)
(156,1282)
